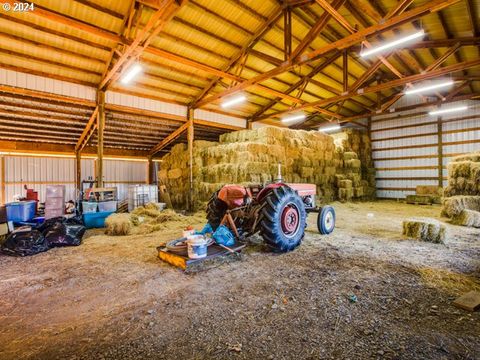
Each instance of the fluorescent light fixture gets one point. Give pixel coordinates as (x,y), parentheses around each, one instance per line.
(449,110)
(424,89)
(131,73)
(330,128)
(392,44)
(234,101)
(294,117)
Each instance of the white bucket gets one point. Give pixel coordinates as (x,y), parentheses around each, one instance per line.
(197,246)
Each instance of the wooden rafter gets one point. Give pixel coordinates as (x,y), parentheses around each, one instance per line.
(154,25)
(387,85)
(88,131)
(355,38)
(172,137)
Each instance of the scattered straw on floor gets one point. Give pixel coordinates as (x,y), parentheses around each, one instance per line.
(148,219)
(451,282)
(429,230)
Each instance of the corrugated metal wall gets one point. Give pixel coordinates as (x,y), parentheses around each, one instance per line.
(406,150)
(38,172)
(39,83)
(121,173)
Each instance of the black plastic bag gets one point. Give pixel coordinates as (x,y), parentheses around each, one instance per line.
(24,242)
(64,233)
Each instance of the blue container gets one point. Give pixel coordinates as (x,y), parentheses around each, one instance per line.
(96,220)
(21,211)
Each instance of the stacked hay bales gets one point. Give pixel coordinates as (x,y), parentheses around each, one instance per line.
(463,190)
(252,157)
(355,148)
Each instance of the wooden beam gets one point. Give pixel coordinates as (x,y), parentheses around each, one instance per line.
(78,172)
(88,131)
(315,30)
(100,8)
(190,137)
(287,33)
(46,95)
(412,107)
(387,85)
(154,25)
(169,139)
(431,67)
(336,15)
(355,38)
(100,134)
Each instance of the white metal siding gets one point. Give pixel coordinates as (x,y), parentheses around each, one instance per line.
(219,118)
(417,143)
(38,172)
(39,83)
(116,98)
(121,173)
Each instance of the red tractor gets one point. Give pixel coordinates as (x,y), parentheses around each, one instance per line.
(278,211)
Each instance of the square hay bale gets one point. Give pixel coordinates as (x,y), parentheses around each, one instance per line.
(429,190)
(358,192)
(425,229)
(349,155)
(353,163)
(470,218)
(345,194)
(454,205)
(345,184)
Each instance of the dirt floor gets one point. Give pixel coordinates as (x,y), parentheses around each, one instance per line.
(112,298)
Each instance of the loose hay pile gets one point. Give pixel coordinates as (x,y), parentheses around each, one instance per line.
(118,224)
(425,230)
(145,220)
(463,190)
(451,282)
(252,157)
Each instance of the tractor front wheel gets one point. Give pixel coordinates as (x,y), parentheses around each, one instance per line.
(283,219)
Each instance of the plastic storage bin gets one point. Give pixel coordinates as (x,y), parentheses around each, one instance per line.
(107,206)
(96,220)
(53,213)
(89,207)
(54,203)
(56,191)
(139,195)
(21,211)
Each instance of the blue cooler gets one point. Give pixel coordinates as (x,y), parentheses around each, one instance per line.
(96,219)
(20,211)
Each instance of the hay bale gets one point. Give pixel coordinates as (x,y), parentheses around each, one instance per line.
(454,205)
(349,155)
(470,218)
(118,224)
(425,229)
(428,190)
(353,163)
(345,184)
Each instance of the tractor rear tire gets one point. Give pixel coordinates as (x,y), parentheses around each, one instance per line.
(216,210)
(283,219)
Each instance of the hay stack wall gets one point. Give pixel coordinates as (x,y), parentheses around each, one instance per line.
(463,189)
(252,157)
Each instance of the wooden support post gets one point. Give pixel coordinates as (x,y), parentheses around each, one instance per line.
(100,129)
(4,200)
(440,151)
(345,70)
(190,136)
(78,172)
(150,170)
(287,29)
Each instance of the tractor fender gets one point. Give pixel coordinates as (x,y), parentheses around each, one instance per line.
(266,190)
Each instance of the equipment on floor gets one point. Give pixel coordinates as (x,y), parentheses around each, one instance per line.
(278,211)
